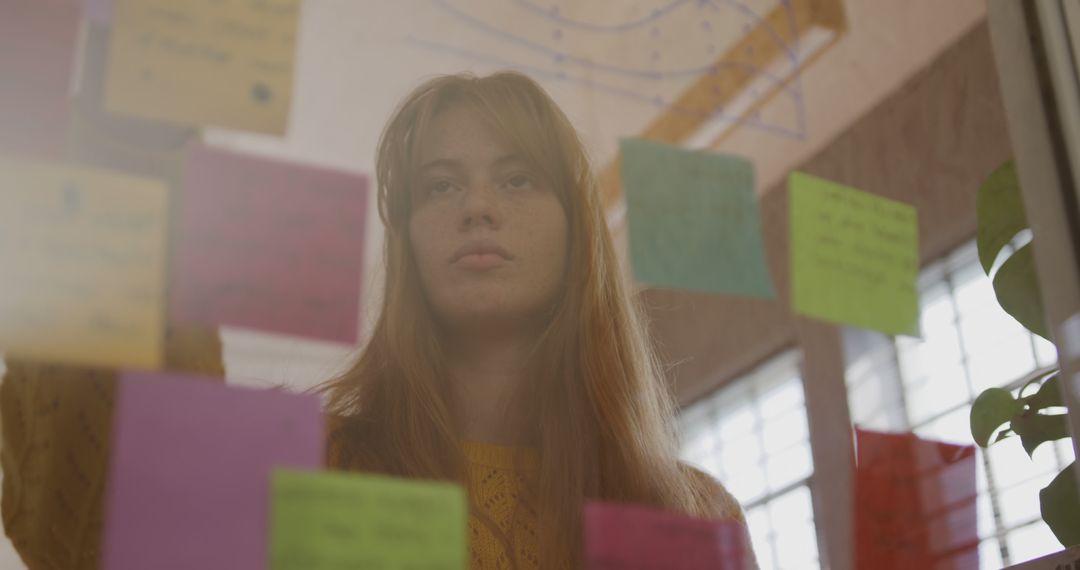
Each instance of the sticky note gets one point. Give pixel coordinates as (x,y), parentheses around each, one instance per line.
(269,245)
(854,256)
(205,62)
(915,503)
(82,254)
(339,520)
(119,142)
(624,537)
(98,11)
(38,40)
(189,479)
(694,220)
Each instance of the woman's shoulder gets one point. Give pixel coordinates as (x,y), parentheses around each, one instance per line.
(723,504)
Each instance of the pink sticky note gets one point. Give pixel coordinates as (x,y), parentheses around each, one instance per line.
(269,245)
(621,537)
(98,11)
(189,480)
(37,52)
(915,503)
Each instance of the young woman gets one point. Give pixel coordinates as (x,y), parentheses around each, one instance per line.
(507,355)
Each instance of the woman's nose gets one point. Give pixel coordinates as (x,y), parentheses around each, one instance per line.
(480,207)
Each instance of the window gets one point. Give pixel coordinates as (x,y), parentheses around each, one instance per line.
(753,436)
(928,385)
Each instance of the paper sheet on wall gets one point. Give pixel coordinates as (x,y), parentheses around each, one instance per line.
(204,62)
(38,40)
(82,265)
(624,537)
(269,245)
(337,520)
(854,256)
(189,480)
(915,503)
(694,220)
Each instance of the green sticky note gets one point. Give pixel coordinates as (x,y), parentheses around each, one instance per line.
(854,256)
(694,220)
(326,520)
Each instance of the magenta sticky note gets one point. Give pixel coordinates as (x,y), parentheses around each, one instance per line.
(38,40)
(98,11)
(190,467)
(624,537)
(269,245)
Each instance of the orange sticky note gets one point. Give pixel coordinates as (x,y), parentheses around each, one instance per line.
(82,265)
(914,503)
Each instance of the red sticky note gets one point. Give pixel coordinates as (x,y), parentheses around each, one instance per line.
(914,503)
(189,479)
(269,245)
(38,41)
(622,537)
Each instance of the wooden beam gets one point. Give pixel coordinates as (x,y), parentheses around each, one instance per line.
(732,74)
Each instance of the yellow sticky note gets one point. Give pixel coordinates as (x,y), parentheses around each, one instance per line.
(82,265)
(854,256)
(205,62)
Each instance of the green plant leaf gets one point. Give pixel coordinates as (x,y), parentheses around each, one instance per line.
(992,409)
(1060,506)
(1017,288)
(1000,211)
(1004,434)
(1035,429)
(1048,396)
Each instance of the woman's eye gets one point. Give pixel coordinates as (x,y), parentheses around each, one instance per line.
(440,187)
(519,182)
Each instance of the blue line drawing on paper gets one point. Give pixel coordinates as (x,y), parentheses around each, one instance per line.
(556,63)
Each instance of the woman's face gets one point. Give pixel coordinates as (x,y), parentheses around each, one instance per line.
(488,232)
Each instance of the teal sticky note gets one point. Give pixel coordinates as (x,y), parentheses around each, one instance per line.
(694,220)
(854,256)
(333,520)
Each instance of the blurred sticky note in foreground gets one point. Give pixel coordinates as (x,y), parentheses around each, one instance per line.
(189,480)
(624,537)
(915,503)
(38,41)
(854,256)
(694,221)
(269,245)
(338,520)
(226,64)
(82,265)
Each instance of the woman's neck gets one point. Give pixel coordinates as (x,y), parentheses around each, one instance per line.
(486,373)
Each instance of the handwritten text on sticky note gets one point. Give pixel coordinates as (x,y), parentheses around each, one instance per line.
(337,520)
(269,245)
(915,503)
(205,62)
(854,256)
(624,537)
(82,265)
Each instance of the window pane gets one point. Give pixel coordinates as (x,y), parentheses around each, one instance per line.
(796,541)
(1031,542)
(753,436)
(969,344)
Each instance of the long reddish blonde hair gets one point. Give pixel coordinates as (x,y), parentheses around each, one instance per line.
(599,414)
